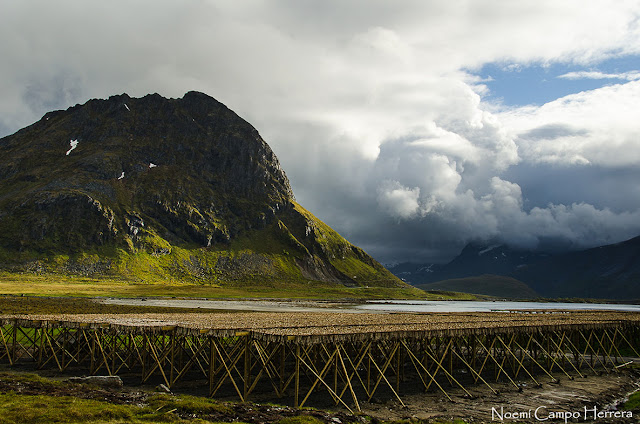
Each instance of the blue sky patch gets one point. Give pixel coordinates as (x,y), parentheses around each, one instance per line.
(512,84)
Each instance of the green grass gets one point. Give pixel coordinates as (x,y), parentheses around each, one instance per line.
(268,263)
(52,401)
(55,402)
(28,378)
(26,409)
(30,284)
(486,284)
(270,257)
(303,258)
(633,404)
(187,404)
(43,409)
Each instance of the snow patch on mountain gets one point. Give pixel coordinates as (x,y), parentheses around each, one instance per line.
(73,144)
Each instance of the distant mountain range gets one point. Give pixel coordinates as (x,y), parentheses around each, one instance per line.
(606,272)
(485,284)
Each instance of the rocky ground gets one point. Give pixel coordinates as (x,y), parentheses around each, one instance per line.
(605,393)
(602,393)
(30,385)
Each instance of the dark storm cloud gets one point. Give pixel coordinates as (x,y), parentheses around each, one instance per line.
(615,188)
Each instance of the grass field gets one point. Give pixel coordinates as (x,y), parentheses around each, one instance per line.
(27,398)
(633,403)
(31,284)
(31,399)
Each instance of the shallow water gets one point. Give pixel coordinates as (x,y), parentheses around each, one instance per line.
(248,305)
(380,306)
(475,306)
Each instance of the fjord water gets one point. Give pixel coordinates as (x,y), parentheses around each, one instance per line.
(475,306)
(380,306)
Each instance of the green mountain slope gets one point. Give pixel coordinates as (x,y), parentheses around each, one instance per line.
(154,189)
(486,284)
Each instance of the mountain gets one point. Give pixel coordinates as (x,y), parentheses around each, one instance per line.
(606,272)
(475,259)
(486,284)
(163,189)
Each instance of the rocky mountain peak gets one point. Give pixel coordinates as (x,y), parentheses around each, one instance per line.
(186,181)
(191,158)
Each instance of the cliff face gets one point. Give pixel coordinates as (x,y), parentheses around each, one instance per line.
(188,169)
(173,188)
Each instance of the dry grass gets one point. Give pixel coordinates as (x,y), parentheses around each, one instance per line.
(30,305)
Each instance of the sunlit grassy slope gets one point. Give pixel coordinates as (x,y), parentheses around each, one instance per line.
(65,285)
(277,261)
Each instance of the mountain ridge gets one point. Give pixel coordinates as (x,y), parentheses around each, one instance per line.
(610,272)
(152,188)
(485,284)
(605,272)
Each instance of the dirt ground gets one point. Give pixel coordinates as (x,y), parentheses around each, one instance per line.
(603,392)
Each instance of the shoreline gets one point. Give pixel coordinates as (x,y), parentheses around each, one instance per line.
(363,306)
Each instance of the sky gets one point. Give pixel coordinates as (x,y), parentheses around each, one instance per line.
(412,127)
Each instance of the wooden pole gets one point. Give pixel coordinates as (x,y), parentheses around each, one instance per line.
(296,385)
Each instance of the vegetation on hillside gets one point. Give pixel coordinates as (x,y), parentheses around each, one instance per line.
(487,284)
(169,191)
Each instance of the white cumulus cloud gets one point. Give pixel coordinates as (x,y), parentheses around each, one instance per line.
(597,127)
(576,75)
(397,200)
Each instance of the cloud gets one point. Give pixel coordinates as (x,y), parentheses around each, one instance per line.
(593,127)
(397,200)
(367,104)
(553,131)
(629,76)
(581,224)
